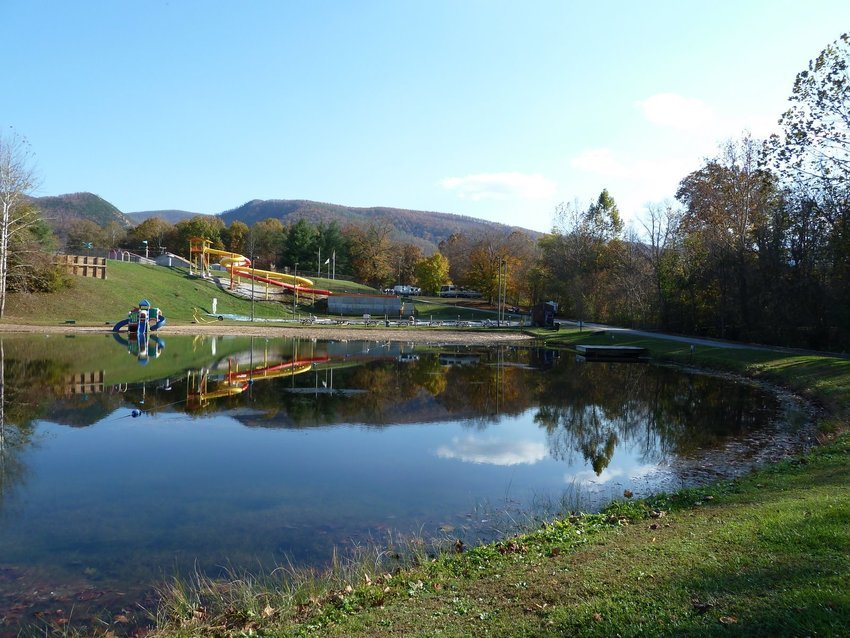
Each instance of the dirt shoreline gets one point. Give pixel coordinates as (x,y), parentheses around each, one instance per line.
(331,332)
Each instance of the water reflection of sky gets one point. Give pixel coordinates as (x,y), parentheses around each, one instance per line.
(517,441)
(156,488)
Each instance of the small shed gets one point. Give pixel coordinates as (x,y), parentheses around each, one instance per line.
(170,259)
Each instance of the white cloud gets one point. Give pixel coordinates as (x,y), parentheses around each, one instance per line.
(648,165)
(691,115)
(493,451)
(633,181)
(500,186)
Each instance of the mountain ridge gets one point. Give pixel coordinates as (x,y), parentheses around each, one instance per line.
(423,228)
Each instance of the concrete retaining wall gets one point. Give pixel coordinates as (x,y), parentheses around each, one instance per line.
(377,306)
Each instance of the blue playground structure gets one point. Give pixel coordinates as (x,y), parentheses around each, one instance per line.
(141,319)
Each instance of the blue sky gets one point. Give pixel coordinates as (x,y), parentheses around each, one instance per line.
(498,110)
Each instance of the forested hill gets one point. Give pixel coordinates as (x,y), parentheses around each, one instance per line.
(423,228)
(420,227)
(171,216)
(60,210)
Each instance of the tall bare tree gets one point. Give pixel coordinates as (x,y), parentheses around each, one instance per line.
(17,179)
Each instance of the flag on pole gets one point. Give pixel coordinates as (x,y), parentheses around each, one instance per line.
(327,261)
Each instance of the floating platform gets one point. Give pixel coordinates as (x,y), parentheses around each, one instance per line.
(612,353)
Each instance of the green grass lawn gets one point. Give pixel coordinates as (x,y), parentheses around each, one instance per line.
(181,297)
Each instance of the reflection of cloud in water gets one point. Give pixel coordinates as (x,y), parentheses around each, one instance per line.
(493,451)
(589,477)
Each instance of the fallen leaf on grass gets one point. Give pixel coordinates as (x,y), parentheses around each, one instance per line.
(597,617)
(728,620)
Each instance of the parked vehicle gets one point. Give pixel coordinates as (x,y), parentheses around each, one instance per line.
(407,290)
(450,290)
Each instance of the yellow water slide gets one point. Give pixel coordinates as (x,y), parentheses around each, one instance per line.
(241,265)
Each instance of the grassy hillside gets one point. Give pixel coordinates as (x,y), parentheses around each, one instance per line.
(96,301)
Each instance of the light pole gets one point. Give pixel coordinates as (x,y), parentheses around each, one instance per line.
(253,267)
(295,290)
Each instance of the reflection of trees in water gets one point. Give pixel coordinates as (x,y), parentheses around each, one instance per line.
(591,408)
(587,409)
(392,391)
(21,402)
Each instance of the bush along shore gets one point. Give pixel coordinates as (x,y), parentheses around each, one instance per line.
(765,554)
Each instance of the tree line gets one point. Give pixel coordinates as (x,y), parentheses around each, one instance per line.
(755,246)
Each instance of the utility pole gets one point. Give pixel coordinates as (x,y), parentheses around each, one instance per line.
(295,290)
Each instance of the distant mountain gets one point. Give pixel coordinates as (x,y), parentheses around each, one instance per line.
(59,210)
(170,216)
(423,228)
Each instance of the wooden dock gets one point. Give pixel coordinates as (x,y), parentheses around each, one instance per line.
(612,353)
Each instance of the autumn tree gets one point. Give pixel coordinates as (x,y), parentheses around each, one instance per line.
(268,239)
(82,234)
(727,204)
(456,249)
(815,141)
(157,233)
(17,180)
(432,272)
(405,257)
(206,226)
(660,224)
(235,237)
(371,255)
(812,156)
(32,267)
(584,242)
(113,234)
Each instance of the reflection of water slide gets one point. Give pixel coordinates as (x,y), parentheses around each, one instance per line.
(240,266)
(237,380)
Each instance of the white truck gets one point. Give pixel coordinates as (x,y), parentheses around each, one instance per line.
(407,290)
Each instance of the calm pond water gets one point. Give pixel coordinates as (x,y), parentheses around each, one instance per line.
(119,467)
